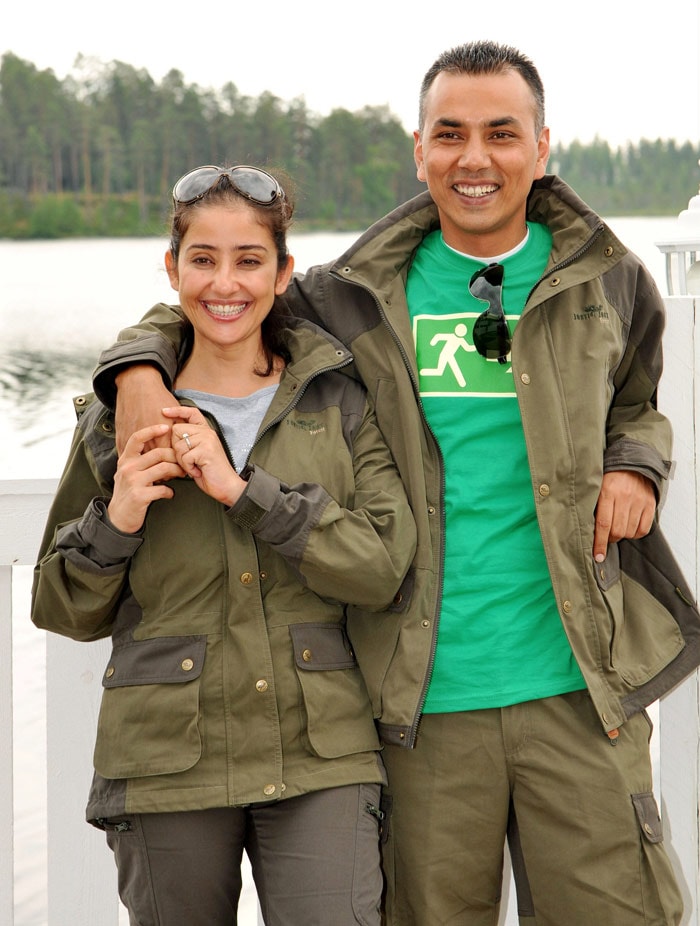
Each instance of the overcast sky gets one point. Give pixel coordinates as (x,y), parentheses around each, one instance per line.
(620,69)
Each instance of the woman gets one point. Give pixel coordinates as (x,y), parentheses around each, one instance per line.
(234,716)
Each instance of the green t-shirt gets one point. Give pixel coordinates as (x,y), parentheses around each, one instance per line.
(501,640)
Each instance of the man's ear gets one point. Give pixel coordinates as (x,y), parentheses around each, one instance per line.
(418,156)
(542,154)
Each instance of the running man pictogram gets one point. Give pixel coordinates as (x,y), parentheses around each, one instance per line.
(453,342)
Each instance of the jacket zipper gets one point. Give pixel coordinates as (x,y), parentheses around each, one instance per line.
(297,397)
(283,413)
(441,552)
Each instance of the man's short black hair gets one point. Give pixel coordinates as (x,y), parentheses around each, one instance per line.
(485,57)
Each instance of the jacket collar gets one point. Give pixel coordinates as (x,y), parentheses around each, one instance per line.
(386,249)
(312,350)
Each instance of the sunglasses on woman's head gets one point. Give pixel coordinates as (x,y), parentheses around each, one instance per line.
(491,334)
(254,184)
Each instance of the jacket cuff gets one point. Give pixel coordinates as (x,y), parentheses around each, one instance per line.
(258,498)
(152,349)
(94,544)
(636,457)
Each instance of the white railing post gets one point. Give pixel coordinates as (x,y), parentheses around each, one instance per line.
(7,855)
(82,883)
(679,712)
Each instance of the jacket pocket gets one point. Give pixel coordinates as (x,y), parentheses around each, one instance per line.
(645,635)
(649,638)
(337,707)
(148,723)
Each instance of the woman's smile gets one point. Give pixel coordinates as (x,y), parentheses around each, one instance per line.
(228,310)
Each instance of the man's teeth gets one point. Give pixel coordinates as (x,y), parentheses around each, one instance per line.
(225,311)
(476,191)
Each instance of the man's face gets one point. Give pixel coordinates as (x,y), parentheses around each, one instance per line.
(479,154)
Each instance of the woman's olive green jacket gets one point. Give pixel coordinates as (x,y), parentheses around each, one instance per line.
(231,679)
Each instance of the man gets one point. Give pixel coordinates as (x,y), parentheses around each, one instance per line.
(509,683)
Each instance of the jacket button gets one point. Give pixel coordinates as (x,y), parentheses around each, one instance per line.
(609,251)
(246,578)
(269,789)
(261,685)
(110,672)
(544,490)
(555,281)
(525,379)
(649,830)
(568,607)
(187,665)
(425,623)
(431,509)
(306,655)
(398,598)
(81,400)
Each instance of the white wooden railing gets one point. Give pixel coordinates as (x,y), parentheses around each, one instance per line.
(81,882)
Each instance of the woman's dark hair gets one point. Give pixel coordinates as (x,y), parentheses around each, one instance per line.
(476,58)
(277,218)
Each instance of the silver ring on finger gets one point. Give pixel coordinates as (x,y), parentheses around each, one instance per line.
(186,438)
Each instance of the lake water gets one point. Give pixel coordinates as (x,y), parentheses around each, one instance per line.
(60,304)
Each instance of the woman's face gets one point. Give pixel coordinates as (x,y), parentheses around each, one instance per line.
(227,275)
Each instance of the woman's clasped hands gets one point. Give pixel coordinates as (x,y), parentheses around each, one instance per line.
(195,450)
(200,453)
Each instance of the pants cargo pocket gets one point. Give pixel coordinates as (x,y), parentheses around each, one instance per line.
(662,900)
(648,816)
(125,839)
(385,805)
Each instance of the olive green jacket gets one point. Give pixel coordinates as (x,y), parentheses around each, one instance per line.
(231,678)
(586,362)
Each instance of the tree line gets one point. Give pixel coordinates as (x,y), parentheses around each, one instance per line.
(97,153)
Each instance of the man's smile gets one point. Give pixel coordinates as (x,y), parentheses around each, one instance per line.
(475,191)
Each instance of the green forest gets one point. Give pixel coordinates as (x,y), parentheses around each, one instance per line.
(96,154)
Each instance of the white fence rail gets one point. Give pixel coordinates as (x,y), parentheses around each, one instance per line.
(81,882)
